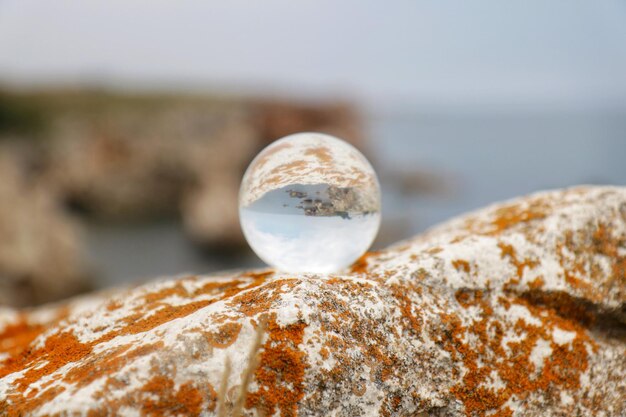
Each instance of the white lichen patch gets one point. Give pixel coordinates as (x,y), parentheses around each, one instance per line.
(562,337)
(540,352)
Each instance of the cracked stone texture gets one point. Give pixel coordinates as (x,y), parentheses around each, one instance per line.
(514,310)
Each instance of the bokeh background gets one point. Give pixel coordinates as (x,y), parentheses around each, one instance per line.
(125,126)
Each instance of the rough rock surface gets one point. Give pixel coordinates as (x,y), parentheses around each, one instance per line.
(41,257)
(515,310)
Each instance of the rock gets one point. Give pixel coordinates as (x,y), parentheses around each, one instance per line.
(211,214)
(125,158)
(278,118)
(515,310)
(41,256)
(139,161)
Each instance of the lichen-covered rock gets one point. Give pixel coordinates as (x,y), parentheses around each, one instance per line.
(515,310)
(41,257)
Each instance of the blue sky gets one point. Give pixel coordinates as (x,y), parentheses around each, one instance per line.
(484,51)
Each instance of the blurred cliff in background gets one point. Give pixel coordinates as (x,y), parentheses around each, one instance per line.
(120,159)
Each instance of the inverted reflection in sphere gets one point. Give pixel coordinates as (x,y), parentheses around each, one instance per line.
(310,203)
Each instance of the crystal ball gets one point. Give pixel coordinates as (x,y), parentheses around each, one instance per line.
(310,202)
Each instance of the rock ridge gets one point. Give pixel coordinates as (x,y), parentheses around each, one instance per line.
(513,310)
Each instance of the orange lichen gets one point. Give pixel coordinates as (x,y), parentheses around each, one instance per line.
(160,312)
(59,349)
(114,305)
(324,353)
(513,366)
(461,265)
(391,406)
(227,289)
(360,265)
(515,214)
(504,412)
(164,399)
(605,243)
(572,267)
(526,342)
(63,348)
(17,336)
(108,363)
(280,374)
(410,320)
(158,397)
(25,408)
(153,297)
(322,153)
(536,284)
(282,171)
(259,300)
(165,314)
(225,336)
(435,250)
(577,253)
(509,251)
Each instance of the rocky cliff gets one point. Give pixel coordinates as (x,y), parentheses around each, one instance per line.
(42,258)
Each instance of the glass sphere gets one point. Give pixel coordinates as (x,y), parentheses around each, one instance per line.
(310,202)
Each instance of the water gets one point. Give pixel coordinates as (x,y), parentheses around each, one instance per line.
(491,157)
(120,254)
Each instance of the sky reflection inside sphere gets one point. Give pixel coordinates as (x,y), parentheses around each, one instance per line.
(310,203)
